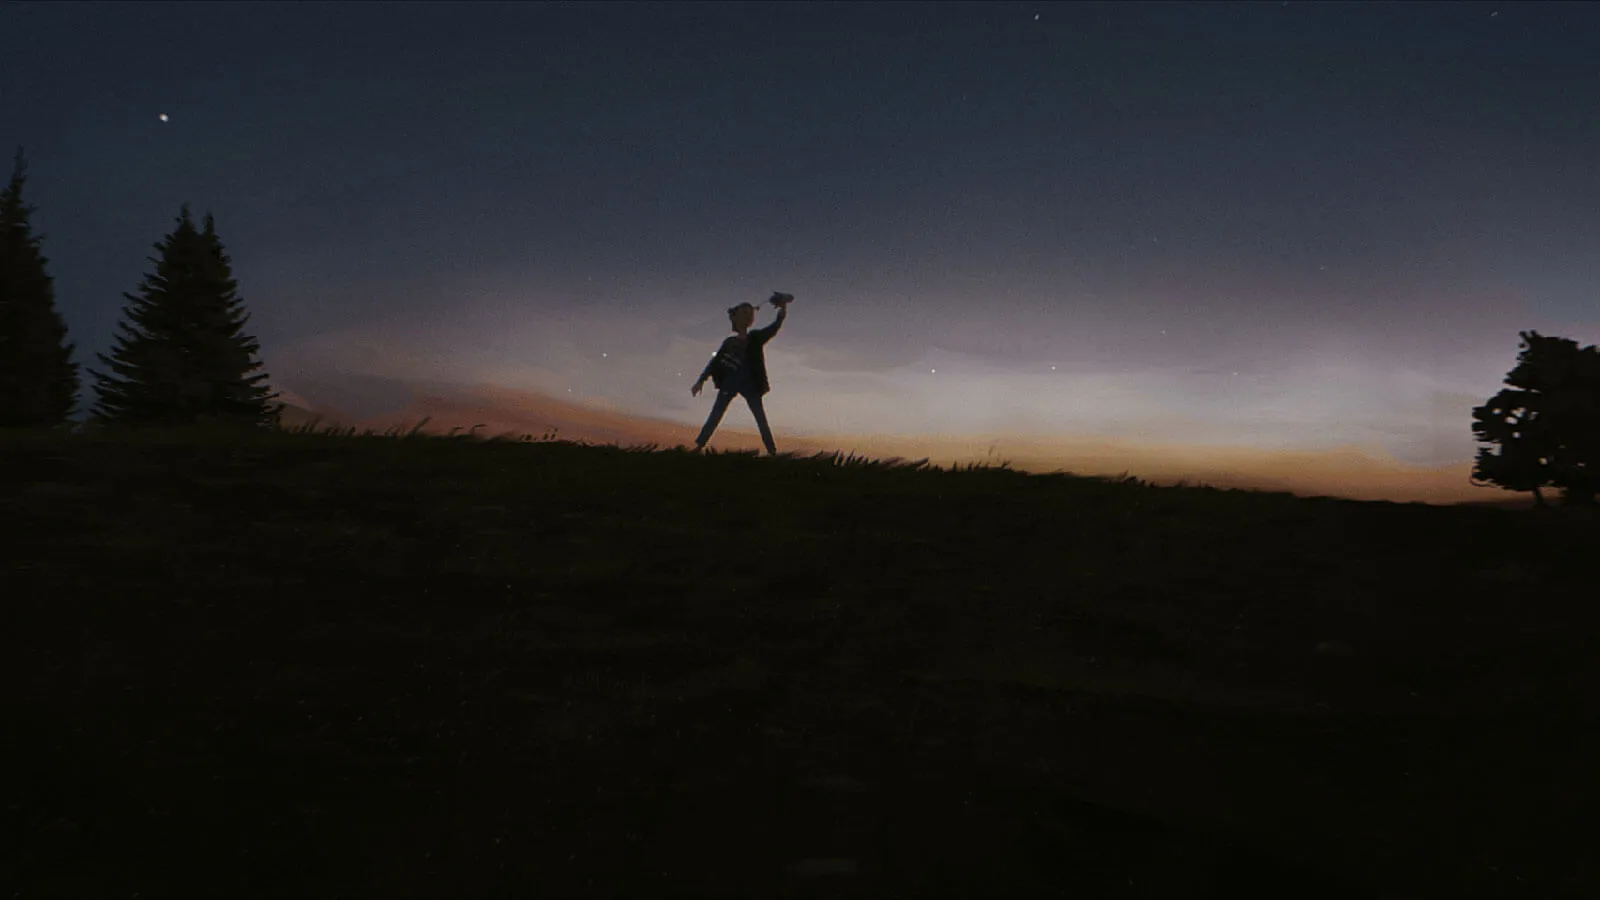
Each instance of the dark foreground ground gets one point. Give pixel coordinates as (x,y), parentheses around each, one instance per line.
(318,666)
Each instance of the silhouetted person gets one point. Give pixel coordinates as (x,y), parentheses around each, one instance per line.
(740,367)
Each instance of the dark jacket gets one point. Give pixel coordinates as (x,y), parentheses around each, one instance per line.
(755,359)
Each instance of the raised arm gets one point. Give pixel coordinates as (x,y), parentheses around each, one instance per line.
(770,330)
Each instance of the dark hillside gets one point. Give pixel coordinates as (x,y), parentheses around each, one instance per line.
(313,665)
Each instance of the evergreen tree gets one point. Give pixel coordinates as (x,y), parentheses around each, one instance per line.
(182,357)
(1547,422)
(38,379)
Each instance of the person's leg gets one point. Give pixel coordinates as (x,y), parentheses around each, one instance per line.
(718,407)
(756,409)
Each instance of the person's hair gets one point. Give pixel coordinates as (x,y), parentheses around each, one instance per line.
(734,309)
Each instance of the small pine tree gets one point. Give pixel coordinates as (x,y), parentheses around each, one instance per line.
(1546,423)
(38,379)
(182,356)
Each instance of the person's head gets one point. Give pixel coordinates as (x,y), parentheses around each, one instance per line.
(741,317)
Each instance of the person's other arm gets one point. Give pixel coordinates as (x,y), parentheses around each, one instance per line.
(705,373)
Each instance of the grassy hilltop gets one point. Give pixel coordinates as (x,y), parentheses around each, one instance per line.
(317,665)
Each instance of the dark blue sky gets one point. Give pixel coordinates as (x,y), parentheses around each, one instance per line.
(1275,224)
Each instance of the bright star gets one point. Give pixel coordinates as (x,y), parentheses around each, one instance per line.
(162,117)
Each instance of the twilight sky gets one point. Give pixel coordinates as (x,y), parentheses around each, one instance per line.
(1281,226)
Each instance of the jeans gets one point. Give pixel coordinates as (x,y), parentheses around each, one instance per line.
(718,408)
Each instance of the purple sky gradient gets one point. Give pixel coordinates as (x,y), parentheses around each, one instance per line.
(1280,226)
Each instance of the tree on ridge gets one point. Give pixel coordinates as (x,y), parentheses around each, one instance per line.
(182,356)
(1546,422)
(38,379)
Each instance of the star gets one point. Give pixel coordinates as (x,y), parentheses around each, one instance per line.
(162,117)
(1036,17)
(932,371)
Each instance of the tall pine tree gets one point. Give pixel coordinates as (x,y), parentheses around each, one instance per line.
(182,356)
(38,379)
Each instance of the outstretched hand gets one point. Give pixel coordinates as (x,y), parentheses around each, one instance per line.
(781,300)
(695,391)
